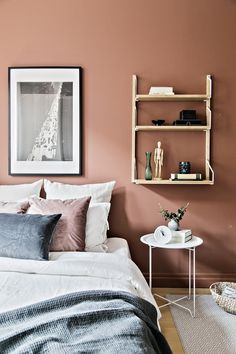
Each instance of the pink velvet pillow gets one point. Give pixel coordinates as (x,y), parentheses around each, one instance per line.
(69,233)
(14,207)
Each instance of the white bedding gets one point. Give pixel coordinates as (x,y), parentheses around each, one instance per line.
(23,282)
(118,246)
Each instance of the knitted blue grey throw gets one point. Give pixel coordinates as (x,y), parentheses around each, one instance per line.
(98,322)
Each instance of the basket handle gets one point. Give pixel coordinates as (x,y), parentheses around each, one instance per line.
(211,286)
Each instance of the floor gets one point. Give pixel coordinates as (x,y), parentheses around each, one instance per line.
(166,322)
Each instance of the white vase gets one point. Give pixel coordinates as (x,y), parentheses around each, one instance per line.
(173,225)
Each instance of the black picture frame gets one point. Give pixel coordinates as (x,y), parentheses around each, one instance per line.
(45,120)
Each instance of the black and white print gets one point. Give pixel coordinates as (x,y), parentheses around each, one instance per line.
(45,134)
(45,121)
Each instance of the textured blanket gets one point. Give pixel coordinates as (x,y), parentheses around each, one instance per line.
(84,322)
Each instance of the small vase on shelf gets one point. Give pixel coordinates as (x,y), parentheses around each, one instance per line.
(184,167)
(148,169)
(173,225)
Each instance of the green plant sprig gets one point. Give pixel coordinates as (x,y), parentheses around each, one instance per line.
(177,216)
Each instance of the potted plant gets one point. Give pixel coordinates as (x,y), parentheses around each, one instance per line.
(173,217)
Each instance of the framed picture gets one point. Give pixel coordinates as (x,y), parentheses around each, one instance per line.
(45,120)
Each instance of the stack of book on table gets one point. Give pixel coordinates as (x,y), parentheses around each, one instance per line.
(181,236)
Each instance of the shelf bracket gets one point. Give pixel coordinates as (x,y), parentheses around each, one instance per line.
(208,86)
(208,115)
(134,170)
(212,171)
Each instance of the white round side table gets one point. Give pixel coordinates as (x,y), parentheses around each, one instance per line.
(191,247)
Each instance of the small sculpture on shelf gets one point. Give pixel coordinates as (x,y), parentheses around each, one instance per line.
(158,121)
(158,160)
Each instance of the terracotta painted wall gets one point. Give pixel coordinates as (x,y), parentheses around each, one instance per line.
(170,42)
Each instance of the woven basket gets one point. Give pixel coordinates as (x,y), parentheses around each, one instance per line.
(225,302)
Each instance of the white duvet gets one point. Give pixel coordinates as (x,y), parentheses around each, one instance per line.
(24,282)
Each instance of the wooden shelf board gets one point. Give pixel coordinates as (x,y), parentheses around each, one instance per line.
(182,97)
(167,181)
(172,127)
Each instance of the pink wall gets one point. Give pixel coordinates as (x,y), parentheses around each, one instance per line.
(171,42)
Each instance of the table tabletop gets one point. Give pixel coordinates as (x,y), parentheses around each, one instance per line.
(150,241)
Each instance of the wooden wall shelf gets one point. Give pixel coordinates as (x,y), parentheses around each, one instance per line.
(167,181)
(206,98)
(172,98)
(176,128)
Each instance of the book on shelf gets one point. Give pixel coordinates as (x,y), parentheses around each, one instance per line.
(181,236)
(185,176)
(161,90)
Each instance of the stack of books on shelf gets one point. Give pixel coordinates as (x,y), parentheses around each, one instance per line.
(185,176)
(181,236)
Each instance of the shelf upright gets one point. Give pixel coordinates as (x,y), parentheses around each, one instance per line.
(134,123)
(207,132)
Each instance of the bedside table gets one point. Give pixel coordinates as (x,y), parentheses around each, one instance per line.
(191,247)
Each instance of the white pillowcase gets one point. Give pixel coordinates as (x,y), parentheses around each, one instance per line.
(96,227)
(19,192)
(100,192)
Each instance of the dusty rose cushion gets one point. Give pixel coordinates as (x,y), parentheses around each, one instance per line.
(14,207)
(69,233)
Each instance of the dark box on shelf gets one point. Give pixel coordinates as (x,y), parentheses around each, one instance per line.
(188,114)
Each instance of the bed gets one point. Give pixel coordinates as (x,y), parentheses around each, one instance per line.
(78,302)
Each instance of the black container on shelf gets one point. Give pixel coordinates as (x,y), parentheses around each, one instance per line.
(188,114)
(184,167)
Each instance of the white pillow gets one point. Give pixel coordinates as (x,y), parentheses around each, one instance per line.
(19,192)
(96,227)
(100,192)
(99,249)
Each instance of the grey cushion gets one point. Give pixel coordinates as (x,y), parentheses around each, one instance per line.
(26,236)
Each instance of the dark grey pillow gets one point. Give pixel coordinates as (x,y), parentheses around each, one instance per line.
(26,236)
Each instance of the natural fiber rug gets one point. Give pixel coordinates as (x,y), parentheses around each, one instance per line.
(212,331)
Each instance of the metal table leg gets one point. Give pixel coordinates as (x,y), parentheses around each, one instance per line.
(191,281)
(189,273)
(150,267)
(194,283)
